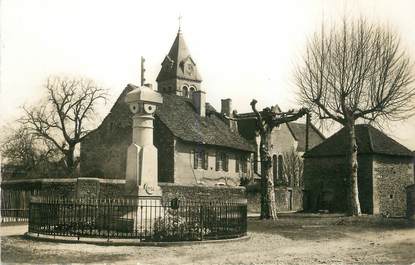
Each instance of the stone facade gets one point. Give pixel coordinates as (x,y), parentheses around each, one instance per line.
(381,182)
(325,184)
(104,151)
(385,168)
(391,175)
(410,202)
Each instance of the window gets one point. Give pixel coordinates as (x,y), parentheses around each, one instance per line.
(221,161)
(192,89)
(200,159)
(280,167)
(185,91)
(244,163)
(237,162)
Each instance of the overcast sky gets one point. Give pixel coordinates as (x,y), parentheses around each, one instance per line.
(243,49)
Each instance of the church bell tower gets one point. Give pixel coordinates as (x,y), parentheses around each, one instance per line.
(179,74)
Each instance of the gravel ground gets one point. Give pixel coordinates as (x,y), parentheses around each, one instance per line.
(293,239)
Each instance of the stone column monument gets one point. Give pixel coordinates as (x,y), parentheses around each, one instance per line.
(141,174)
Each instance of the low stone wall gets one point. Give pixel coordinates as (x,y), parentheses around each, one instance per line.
(286,198)
(207,193)
(111,188)
(50,187)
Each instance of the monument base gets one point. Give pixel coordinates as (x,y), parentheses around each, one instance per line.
(148,190)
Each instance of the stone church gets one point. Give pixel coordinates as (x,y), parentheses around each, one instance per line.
(197,145)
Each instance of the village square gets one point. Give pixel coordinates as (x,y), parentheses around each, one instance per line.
(142,151)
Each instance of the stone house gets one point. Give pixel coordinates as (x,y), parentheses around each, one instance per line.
(385,169)
(196,144)
(288,144)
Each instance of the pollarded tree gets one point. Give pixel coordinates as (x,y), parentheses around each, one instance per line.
(62,117)
(267,120)
(356,71)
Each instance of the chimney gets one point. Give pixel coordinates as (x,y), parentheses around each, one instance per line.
(226,107)
(199,101)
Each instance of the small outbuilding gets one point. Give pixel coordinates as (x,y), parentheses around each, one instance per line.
(385,170)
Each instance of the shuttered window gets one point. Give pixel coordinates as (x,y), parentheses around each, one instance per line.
(200,159)
(244,163)
(206,161)
(222,161)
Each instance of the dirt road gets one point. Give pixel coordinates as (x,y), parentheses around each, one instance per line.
(298,239)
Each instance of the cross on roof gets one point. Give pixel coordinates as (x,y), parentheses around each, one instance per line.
(180,22)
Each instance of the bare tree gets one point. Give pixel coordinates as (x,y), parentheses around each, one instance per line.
(62,118)
(267,119)
(356,70)
(293,167)
(21,148)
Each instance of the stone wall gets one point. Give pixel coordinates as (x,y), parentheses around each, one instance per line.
(325,183)
(191,192)
(391,176)
(107,188)
(22,189)
(365,181)
(382,181)
(287,199)
(410,203)
(104,151)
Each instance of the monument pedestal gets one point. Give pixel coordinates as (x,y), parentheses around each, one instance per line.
(142,165)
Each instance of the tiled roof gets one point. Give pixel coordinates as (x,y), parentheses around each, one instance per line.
(315,137)
(179,115)
(173,65)
(369,141)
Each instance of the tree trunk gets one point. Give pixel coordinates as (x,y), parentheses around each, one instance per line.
(268,206)
(353,190)
(69,160)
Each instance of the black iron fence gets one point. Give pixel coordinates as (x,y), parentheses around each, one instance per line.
(146,219)
(14,215)
(14,205)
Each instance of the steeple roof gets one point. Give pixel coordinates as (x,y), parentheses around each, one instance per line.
(178,63)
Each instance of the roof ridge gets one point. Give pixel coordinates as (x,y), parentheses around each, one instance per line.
(291,131)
